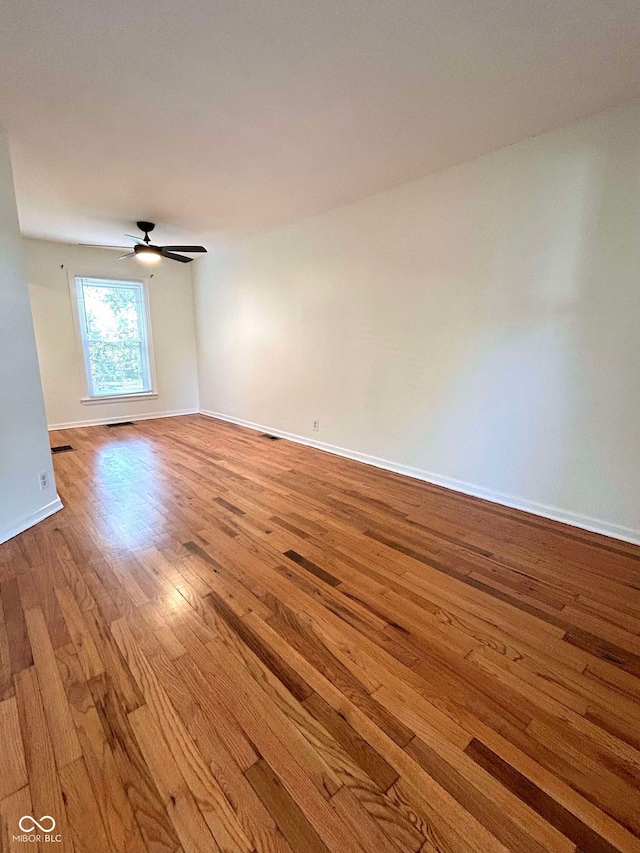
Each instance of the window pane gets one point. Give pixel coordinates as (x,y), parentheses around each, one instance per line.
(116,368)
(114,332)
(112,313)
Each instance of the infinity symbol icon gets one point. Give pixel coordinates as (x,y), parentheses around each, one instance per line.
(31,823)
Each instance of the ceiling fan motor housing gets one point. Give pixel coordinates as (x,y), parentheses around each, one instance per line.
(146,247)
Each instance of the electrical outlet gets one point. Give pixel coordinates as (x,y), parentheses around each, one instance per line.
(44,480)
(316,426)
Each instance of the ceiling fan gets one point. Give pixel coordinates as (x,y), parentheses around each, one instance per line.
(145,251)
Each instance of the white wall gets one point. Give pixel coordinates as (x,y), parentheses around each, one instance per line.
(24,442)
(61,362)
(479,327)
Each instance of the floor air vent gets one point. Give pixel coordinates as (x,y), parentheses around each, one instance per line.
(61,448)
(270,437)
(119,424)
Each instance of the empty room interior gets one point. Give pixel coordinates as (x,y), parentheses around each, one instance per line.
(320,426)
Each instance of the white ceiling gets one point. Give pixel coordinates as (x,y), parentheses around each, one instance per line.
(219,118)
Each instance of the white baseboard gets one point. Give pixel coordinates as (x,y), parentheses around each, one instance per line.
(584,522)
(115,420)
(30,520)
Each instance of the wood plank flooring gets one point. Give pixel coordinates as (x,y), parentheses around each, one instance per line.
(227,643)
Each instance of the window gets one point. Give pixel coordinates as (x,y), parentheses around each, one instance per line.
(113,323)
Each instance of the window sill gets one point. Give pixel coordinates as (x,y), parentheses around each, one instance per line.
(116,398)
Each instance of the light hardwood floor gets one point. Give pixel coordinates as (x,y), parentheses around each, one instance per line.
(230,643)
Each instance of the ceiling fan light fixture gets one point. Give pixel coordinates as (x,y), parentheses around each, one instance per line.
(147,255)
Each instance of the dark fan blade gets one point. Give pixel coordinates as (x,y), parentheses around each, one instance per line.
(184,248)
(129,255)
(175,257)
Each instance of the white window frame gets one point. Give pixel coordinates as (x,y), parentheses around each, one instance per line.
(79,320)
